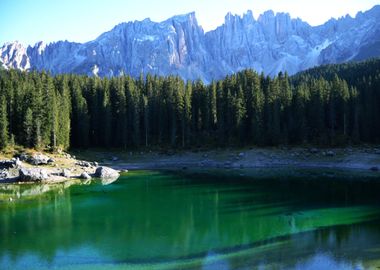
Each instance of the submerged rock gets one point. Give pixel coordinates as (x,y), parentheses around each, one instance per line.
(85,176)
(107,181)
(106,172)
(33,175)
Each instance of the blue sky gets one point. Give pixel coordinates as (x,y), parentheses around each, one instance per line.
(29,21)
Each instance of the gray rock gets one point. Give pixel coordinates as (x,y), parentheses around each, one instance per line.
(66,173)
(330,153)
(241,155)
(227,164)
(33,174)
(115,158)
(38,159)
(106,172)
(7,164)
(314,151)
(107,181)
(85,176)
(18,163)
(4,174)
(23,157)
(83,163)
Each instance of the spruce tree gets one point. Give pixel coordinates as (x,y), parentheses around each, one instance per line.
(3,124)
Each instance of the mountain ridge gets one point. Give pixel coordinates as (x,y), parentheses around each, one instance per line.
(271,43)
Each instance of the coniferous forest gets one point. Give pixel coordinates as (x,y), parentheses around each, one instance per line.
(331,105)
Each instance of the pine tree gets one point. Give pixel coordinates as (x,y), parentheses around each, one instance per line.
(257,119)
(106,115)
(29,128)
(3,124)
(186,115)
(64,113)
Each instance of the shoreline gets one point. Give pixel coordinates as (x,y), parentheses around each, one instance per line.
(66,167)
(350,163)
(29,166)
(360,159)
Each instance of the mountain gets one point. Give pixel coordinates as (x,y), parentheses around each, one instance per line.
(272,43)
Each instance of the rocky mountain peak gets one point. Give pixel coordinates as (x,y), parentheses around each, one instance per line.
(267,17)
(189,18)
(13,55)
(178,45)
(248,17)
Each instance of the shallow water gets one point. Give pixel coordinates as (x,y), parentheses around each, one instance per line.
(198,220)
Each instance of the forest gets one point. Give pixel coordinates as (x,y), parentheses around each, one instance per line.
(328,106)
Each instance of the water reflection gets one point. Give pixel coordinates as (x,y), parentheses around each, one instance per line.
(194,222)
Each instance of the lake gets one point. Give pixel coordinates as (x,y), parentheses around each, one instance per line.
(230,219)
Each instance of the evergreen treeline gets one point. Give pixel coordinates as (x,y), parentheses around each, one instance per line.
(38,110)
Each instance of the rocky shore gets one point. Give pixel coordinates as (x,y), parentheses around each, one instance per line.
(52,168)
(363,158)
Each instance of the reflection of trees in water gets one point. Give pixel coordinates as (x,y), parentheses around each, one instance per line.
(40,211)
(162,217)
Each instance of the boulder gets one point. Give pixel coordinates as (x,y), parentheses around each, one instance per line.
(85,176)
(66,173)
(22,156)
(313,151)
(83,163)
(33,174)
(18,163)
(39,159)
(107,181)
(330,153)
(106,172)
(7,164)
(227,164)
(4,174)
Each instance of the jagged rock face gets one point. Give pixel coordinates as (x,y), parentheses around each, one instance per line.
(179,46)
(14,55)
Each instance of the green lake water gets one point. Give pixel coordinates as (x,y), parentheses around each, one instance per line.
(197,220)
